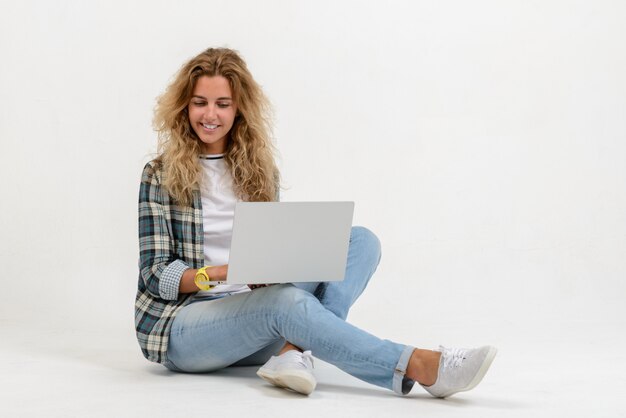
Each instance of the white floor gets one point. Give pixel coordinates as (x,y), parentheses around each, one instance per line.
(574,369)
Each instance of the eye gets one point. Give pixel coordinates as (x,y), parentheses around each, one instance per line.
(223,105)
(198,103)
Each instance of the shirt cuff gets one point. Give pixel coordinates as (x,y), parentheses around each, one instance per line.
(170,280)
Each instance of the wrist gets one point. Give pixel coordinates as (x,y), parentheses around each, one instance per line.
(213,272)
(217,273)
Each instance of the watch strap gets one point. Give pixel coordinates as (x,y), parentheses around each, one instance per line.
(202,279)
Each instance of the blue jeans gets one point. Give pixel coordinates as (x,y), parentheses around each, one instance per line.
(248,328)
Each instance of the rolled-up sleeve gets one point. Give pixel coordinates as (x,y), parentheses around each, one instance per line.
(170,279)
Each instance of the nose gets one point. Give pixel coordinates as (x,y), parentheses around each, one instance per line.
(210,111)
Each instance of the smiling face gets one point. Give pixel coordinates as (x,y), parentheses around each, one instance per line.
(212,112)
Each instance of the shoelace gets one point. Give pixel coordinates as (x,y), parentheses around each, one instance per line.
(307,356)
(452,357)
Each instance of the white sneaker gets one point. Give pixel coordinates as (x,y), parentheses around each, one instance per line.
(461,369)
(292,370)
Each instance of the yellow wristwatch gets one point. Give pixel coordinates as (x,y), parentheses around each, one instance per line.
(202,279)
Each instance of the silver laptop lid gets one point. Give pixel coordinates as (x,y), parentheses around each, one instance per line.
(284,242)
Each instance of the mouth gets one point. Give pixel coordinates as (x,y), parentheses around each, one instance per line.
(209,126)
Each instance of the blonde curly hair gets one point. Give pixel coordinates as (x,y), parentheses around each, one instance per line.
(249,150)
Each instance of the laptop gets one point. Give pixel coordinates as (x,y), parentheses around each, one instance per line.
(288,242)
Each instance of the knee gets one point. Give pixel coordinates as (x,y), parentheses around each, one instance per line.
(291,300)
(367,241)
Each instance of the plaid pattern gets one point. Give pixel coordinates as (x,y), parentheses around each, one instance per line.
(170,241)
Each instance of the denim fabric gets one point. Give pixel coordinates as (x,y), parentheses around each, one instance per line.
(248,328)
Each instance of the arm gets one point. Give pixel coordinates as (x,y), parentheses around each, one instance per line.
(160,267)
(164,274)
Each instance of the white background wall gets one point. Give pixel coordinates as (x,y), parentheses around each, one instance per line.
(484,142)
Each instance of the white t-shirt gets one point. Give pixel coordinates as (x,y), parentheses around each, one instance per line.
(218,210)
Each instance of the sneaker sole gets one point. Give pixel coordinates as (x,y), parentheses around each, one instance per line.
(295,380)
(491,354)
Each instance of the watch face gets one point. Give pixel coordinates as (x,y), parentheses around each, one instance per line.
(201,276)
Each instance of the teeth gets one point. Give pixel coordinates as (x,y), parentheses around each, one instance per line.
(206,125)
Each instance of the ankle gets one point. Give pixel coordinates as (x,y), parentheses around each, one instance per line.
(288,347)
(423,366)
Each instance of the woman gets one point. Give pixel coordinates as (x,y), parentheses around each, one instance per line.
(214,150)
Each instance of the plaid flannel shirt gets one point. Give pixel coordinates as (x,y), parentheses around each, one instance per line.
(171,240)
